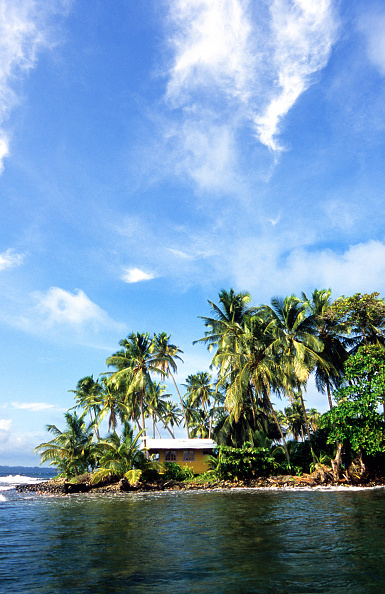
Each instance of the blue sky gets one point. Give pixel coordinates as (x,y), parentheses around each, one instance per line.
(153,153)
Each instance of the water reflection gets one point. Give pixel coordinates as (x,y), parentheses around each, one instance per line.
(196,542)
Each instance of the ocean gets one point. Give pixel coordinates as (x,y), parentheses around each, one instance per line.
(206,541)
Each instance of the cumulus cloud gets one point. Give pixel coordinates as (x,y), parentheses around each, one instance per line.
(135,275)
(58,306)
(268,269)
(10,258)
(25,28)
(237,64)
(32,406)
(5,424)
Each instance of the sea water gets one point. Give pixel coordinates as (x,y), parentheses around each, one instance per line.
(205,541)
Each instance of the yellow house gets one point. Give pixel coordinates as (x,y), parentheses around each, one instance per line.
(186,452)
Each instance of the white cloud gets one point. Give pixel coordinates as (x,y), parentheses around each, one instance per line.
(278,268)
(372,25)
(302,36)
(5,424)
(24,30)
(135,275)
(252,62)
(10,258)
(58,306)
(32,406)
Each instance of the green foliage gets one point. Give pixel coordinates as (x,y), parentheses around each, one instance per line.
(71,451)
(355,420)
(243,463)
(175,472)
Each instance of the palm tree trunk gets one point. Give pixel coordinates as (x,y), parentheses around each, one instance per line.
(279,428)
(181,403)
(328,393)
(307,427)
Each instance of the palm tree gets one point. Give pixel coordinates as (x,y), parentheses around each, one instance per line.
(165,355)
(250,370)
(293,344)
(200,392)
(134,363)
(71,450)
(332,332)
(88,397)
(119,455)
(113,404)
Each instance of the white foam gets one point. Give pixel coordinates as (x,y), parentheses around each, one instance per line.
(2,498)
(10,481)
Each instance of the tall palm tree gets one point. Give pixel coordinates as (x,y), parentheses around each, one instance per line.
(332,332)
(113,403)
(165,356)
(134,363)
(294,344)
(88,395)
(201,393)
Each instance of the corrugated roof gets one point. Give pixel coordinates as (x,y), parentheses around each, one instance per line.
(179,444)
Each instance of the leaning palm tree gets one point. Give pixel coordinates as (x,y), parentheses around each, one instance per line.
(113,404)
(71,451)
(201,393)
(165,355)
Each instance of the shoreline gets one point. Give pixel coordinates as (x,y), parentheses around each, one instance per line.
(278,483)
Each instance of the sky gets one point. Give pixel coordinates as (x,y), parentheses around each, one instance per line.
(153,153)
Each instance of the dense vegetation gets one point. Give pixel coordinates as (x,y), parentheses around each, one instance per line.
(259,354)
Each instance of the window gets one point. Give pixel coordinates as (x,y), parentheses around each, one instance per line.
(170,456)
(188,456)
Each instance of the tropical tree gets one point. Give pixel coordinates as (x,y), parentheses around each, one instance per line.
(113,404)
(365,314)
(119,456)
(71,451)
(355,421)
(88,396)
(134,364)
(333,332)
(165,355)
(294,345)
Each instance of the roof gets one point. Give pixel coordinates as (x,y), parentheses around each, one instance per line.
(179,444)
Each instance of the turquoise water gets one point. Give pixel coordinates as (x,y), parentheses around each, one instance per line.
(273,542)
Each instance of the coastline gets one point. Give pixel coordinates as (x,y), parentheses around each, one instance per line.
(286,482)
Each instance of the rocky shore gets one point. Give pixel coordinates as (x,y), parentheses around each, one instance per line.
(83,484)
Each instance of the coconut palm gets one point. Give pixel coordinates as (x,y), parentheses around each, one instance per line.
(88,395)
(294,344)
(119,455)
(113,404)
(71,451)
(165,355)
(134,363)
(332,332)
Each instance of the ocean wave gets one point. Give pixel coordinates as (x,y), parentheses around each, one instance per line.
(10,481)
(2,498)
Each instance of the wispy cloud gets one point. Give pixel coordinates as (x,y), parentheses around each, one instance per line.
(238,64)
(135,275)
(32,406)
(372,25)
(10,259)
(302,34)
(25,28)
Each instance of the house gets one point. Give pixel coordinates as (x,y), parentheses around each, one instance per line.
(186,452)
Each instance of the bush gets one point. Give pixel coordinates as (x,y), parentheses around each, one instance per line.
(243,463)
(175,472)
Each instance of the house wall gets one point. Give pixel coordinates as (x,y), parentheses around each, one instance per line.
(198,465)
